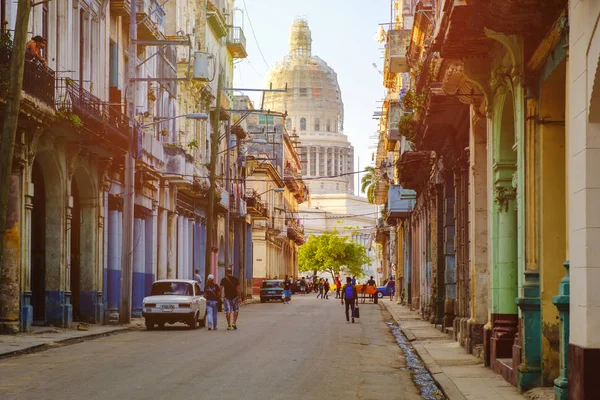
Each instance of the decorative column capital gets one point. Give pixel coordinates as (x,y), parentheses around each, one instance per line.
(503,196)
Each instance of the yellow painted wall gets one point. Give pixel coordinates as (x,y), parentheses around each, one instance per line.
(552,215)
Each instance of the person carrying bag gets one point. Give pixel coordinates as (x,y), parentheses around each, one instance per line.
(350,294)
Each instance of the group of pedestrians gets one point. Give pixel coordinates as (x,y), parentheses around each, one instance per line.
(228,292)
(324,287)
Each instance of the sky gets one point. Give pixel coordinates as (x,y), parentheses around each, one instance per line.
(343,34)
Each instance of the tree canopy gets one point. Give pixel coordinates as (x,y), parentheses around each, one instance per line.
(332,253)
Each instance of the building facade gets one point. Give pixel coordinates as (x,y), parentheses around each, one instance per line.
(494,135)
(64,251)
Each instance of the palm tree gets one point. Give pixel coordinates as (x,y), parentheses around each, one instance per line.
(369,183)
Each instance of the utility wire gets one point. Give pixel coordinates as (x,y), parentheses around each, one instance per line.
(254,35)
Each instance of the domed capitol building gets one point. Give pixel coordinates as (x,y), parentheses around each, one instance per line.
(313,102)
(315,110)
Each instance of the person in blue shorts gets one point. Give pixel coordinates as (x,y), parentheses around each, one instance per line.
(231,298)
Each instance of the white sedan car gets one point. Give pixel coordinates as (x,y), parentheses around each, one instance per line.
(174,300)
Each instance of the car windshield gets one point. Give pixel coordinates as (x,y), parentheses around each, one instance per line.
(174,288)
(272,284)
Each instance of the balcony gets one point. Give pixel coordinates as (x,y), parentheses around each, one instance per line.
(397,43)
(217,9)
(38,81)
(295,231)
(400,202)
(236,42)
(150,17)
(152,26)
(237,207)
(255,207)
(395,112)
(106,124)
(294,183)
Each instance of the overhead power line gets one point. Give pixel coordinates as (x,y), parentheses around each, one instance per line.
(254,35)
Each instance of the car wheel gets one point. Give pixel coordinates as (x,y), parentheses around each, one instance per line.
(149,325)
(161,325)
(262,300)
(193,322)
(380,295)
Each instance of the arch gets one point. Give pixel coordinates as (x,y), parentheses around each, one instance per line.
(504,129)
(83,272)
(302,124)
(47,238)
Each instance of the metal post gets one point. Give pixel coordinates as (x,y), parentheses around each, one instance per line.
(214,150)
(128,199)
(227,185)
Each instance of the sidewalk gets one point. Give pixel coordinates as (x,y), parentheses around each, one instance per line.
(460,375)
(45,337)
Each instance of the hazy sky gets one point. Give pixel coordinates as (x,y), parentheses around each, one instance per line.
(343,34)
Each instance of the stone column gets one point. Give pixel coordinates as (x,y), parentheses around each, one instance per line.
(26,308)
(180,243)
(139,262)
(504,281)
(172,246)
(561,384)
(67,309)
(151,249)
(190,264)
(449,253)
(163,243)
(439,254)
(9,274)
(115,240)
(105,260)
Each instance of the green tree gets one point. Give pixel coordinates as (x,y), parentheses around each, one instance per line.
(332,253)
(369,183)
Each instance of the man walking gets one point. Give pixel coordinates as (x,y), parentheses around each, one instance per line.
(287,290)
(232,298)
(320,289)
(371,282)
(350,295)
(211,294)
(326,289)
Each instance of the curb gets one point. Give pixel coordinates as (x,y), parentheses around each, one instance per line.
(443,381)
(62,342)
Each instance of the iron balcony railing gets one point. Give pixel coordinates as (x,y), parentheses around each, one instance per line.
(236,41)
(93,114)
(38,81)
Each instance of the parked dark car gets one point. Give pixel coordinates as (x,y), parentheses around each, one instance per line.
(271,290)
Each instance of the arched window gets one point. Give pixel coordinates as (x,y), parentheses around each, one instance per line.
(328,126)
(317,124)
(302,124)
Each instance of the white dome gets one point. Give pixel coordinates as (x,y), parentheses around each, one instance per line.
(315,110)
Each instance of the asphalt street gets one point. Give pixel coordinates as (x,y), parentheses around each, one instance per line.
(303,350)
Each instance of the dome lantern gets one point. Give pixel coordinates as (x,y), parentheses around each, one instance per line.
(300,39)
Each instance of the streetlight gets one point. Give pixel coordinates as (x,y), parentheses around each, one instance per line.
(276,190)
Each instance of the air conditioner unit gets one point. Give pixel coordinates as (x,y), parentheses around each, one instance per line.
(201,66)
